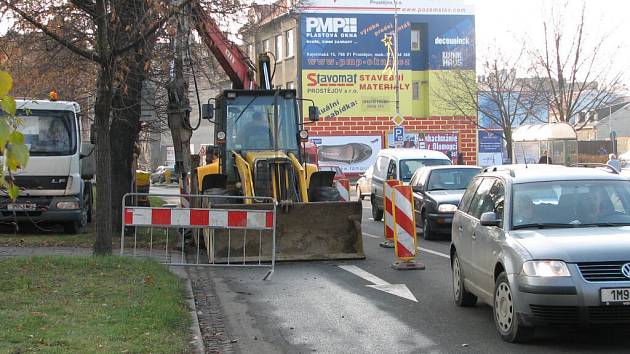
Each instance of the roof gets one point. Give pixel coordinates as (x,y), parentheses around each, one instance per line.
(452,167)
(543,173)
(406,153)
(542,132)
(49,105)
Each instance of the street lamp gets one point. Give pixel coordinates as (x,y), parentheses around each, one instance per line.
(396,57)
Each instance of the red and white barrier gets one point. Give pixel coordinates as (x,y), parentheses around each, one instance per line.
(405,245)
(343,186)
(184,217)
(388,218)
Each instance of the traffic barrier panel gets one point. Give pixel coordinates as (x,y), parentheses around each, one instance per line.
(405,241)
(343,186)
(388,219)
(250,235)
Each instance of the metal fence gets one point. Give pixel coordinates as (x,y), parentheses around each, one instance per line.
(232,233)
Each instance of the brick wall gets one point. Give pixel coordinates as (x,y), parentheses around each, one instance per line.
(381,125)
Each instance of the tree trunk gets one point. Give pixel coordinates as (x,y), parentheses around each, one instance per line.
(178,105)
(102,110)
(508,143)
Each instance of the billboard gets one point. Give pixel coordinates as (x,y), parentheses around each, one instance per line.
(353,154)
(348,56)
(490,151)
(445,142)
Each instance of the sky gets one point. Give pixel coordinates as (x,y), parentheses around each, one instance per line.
(505,23)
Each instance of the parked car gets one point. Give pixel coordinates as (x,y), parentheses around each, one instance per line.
(364,184)
(544,246)
(162,174)
(399,164)
(437,191)
(338,172)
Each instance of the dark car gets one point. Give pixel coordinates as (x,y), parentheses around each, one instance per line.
(437,191)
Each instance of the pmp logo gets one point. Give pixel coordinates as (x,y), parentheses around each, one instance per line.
(331,24)
(625,269)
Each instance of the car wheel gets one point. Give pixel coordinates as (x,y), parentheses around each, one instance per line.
(460,294)
(427,232)
(505,316)
(377,214)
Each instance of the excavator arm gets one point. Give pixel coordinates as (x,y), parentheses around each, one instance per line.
(235,63)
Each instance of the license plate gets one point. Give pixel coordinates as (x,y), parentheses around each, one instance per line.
(21,207)
(615,296)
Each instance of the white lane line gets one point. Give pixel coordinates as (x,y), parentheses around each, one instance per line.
(370,235)
(434,252)
(399,290)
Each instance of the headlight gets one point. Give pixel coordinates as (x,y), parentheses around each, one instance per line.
(447,208)
(546,269)
(68,205)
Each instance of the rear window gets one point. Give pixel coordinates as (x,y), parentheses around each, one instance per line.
(408,167)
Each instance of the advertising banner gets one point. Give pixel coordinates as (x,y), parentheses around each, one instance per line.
(490,147)
(349,59)
(353,154)
(445,142)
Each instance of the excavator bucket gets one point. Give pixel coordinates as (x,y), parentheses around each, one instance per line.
(304,232)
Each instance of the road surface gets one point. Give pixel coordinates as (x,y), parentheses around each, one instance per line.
(329,307)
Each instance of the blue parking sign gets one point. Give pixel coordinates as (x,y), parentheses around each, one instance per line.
(399,134)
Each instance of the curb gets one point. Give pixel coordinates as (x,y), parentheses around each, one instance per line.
(197,339)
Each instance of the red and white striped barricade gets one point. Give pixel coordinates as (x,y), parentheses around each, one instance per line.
(343,186)
(388,218)
(245,236)
(405,240)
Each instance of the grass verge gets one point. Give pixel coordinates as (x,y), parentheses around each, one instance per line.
(91,304)
(53,236)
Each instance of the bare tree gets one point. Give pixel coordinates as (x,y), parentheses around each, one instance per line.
(502,98)
(579,76)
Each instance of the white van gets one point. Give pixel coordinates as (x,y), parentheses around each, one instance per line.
(399,164)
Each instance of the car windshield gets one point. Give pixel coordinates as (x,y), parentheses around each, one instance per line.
(47,133)
(583,203)
(408,167)
(250,120)
(451,178)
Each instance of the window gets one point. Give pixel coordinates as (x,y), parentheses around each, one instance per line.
(266,47)
(480,199)
(278,51)
(415,40)
(290,85)
(415,90)
(48,133)
(289,44)
(468,195)
(408,167)
(495,202)
(391,170)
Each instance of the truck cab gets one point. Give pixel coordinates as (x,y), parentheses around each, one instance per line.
(55,185)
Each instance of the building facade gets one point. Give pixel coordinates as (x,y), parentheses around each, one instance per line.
(343,59)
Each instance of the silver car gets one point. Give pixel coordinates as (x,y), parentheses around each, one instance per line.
(544,246)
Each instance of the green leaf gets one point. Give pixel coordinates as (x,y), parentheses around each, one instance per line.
(14,191)
(5,131)
(16,138)
(17,156)
(6,83)
(8,105)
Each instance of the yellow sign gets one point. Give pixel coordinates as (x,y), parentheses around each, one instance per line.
(398,120)
(369,93)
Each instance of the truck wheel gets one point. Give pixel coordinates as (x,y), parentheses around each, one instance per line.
(76,227)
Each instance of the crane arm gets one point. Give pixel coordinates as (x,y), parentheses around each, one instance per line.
(235,63)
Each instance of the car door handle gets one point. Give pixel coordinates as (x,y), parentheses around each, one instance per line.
(474,236)
(460,228)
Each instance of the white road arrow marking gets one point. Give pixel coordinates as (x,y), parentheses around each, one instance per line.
(399,290)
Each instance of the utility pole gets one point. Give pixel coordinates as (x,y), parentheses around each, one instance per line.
(396,57)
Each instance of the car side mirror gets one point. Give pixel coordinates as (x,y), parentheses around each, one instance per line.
(313,113)
(417,189)
(86,150)
(489,219)
(207,111)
